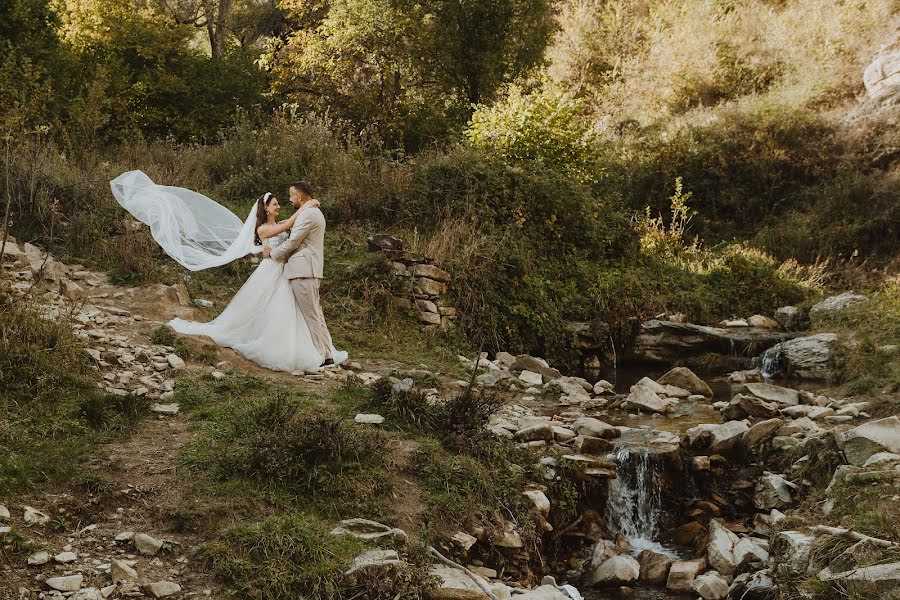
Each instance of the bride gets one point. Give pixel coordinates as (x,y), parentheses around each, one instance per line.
(262,321)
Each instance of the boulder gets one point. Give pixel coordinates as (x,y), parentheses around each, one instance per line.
(525,362)
(585,444)
(792,318)
(716,438)
(773,491)
(669,342)
(748,554)
(720,543)
(776,394)
(687,534)
(531,377)
(654,566)
(541,431)
(791,550)
(839,302)
(808,357)
(646,400)
(710,586)
(862,442)
(615,571)
(861,553)
(756,407)
(381,242)
(682,574)
(589,426)
(686,379)
(603,387)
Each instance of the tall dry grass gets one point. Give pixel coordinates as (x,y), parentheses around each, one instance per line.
(638,60)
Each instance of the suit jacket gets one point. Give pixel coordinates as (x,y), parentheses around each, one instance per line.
(304,251)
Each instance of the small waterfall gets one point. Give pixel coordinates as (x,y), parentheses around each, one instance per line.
(633,503)
(771,362)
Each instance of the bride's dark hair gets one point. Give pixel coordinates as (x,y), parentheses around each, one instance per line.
(261,217)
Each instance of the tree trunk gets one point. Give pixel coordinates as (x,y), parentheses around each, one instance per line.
(218,16)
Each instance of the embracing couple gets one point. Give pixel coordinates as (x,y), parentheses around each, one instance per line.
(275,319)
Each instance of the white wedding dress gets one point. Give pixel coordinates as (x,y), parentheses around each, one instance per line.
(262,322)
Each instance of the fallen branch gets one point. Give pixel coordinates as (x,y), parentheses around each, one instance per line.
(484,588)
(854,536)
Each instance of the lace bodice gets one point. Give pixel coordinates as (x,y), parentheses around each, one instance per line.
(276,240)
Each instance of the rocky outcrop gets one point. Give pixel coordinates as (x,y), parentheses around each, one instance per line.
(882,76)
(668,342)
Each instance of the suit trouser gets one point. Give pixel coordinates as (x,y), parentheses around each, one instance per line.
(306,293)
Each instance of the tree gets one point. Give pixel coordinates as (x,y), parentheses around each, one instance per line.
(412,69)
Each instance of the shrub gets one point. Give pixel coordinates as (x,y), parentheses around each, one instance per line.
(279,448)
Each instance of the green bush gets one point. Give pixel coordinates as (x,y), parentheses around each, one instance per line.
(282,449)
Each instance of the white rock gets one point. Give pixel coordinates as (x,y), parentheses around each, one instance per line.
(119,571)
(860,443)
(65,557)
(165,409)
(716,438)
(539,499)
(531,378)
(146,544)
(791,550)
(720,548)
(645,399)
(616,570)
(39,558)
(368,419)
(217,375)
(4,513)
(773,393)
(682,574)
(603,387)
(881,457)
(33,516)
(70,583)
(175,361)
(747,552)
(464,540)
(710,586)
(839,302)
(163,589)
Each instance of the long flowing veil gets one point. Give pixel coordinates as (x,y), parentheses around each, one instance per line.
(195,231)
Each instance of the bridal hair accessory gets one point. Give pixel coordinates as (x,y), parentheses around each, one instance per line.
(266,197)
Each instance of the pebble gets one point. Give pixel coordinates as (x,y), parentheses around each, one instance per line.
(4,513)
(65,557)
(69,583)
(39,558)
(163,589)
(218,375)
(368,419)
(33,516)
(146,544)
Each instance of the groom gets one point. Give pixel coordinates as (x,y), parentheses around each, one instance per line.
(304,255)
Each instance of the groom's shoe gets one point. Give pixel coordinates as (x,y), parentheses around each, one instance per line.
(328,361)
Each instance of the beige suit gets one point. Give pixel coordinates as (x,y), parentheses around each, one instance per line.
(304,256)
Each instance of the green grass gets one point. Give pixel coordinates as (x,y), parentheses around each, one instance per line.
(291,449)
(52,414)
(862,365)
(864,502)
